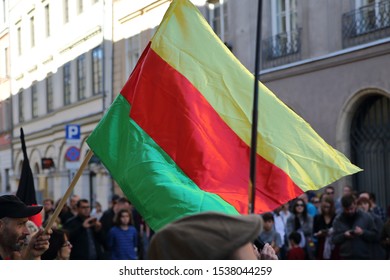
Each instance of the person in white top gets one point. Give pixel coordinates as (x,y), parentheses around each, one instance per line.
(281,215)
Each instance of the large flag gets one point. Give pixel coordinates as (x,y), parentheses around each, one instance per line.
(26,188)
(177,138)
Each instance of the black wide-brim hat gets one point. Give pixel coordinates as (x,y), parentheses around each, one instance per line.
(12,207)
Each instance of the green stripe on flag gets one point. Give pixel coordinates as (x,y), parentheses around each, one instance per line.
(157,187)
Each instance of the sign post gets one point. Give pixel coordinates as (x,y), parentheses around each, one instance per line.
(72,154)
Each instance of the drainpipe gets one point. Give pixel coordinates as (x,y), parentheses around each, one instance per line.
(105,62)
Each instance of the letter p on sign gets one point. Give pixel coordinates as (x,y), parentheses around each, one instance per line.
(72,132)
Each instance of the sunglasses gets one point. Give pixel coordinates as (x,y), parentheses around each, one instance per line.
(299,204)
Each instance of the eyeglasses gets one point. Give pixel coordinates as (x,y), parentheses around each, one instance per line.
(299,204)
(67,244)
(329,192)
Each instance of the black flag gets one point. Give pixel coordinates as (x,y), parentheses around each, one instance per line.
(26,188)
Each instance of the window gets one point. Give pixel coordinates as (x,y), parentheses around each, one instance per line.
(19,34)
(34,100)
(66,11)
(369,144)
(21,105)
(81,77)
(371,15)
(67,84)
(284,27)
(5,113)
(217,11)
(32,32)
(285,16)
(47,20)
(49,93)
(6,62)
(3,11)
(7,183)
(133,53)
(4,67)
(97,70)
(367,22)
(79,6)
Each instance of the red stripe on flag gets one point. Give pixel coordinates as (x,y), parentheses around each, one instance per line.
(181,121)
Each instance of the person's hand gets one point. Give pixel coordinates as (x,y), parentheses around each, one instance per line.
(358,230)
(349,234)
(98,225)
(38,244)
(256,252)
(268,253)
(321,233)
(89,222)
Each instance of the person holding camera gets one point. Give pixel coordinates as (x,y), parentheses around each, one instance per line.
(322,227)
(354,231)
(85,233)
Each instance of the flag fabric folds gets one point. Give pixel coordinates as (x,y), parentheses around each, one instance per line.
(177,137)
(26,188)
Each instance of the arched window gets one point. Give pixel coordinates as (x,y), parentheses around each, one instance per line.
(370,147)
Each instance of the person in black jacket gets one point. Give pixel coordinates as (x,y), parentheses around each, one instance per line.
(354,231)
(84,233)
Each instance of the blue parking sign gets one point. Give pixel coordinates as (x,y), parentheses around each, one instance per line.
(72,132)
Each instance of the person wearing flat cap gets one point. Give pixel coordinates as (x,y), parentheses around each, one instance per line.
(13,230)
(210,236)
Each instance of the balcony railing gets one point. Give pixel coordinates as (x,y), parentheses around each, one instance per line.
(366,24)
(281,49)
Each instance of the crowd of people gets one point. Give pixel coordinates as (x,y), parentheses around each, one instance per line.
(93,234)
(320,226)
(312,226)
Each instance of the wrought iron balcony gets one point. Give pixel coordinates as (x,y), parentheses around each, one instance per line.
(281,49)
(366,24)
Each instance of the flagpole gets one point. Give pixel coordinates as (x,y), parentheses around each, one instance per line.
(68,192)
(253,153)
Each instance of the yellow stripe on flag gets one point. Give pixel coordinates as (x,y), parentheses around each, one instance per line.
(284,138)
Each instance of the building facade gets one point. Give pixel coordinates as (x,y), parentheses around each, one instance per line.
(5,102)
(60,75)
(330,62)
(327,60)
